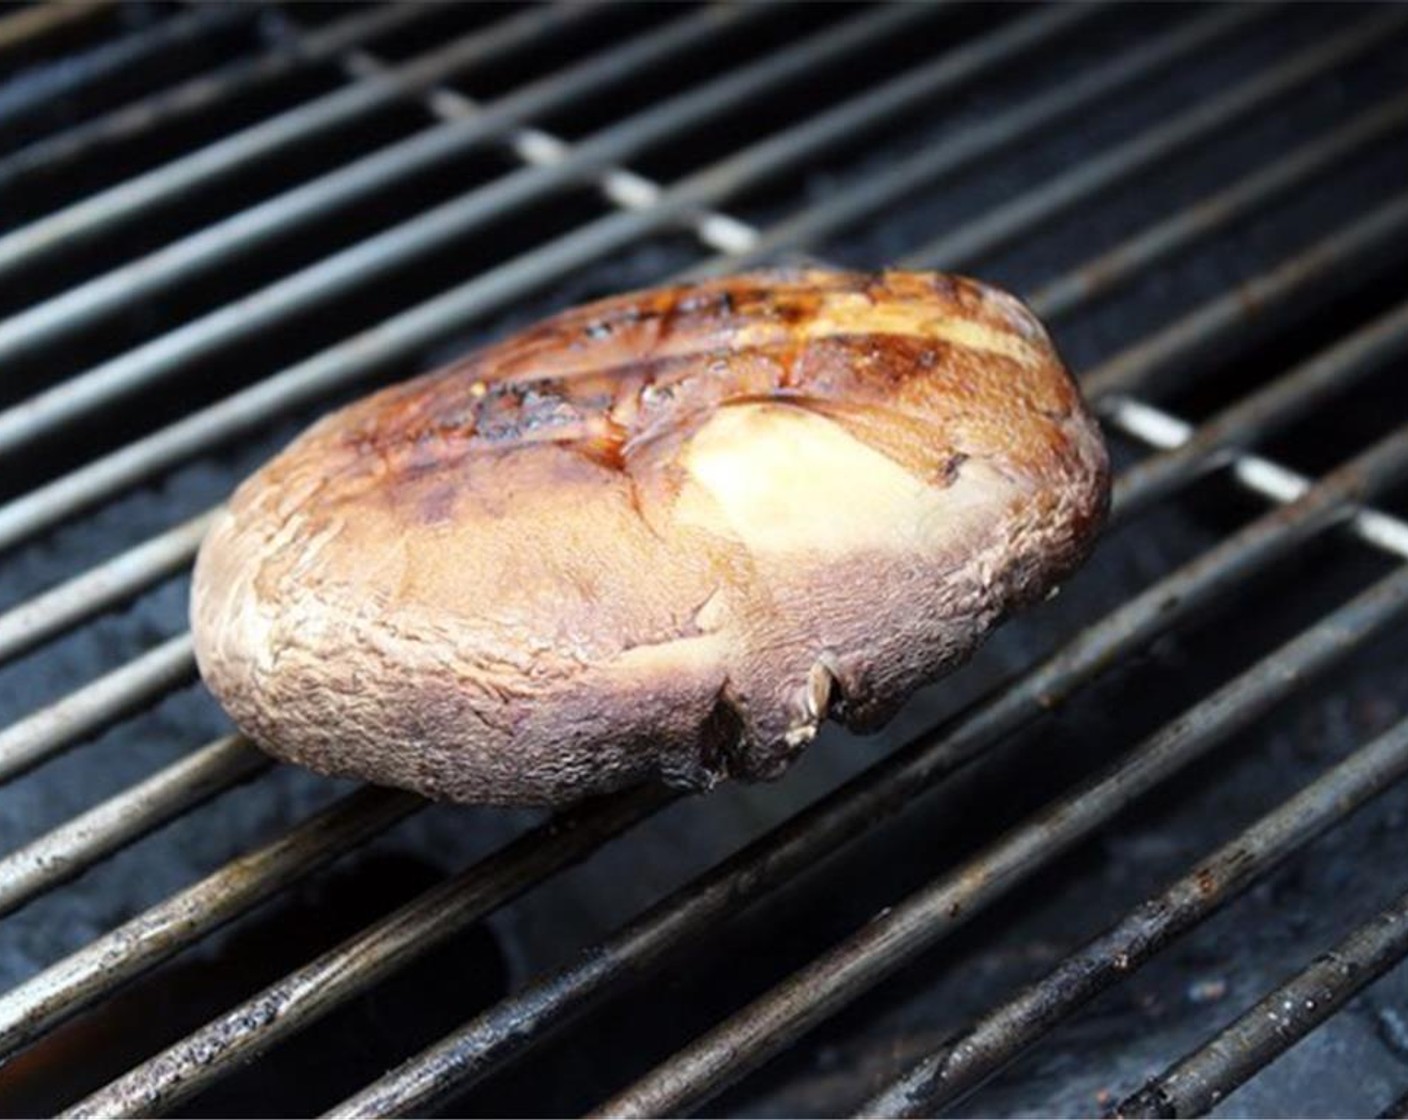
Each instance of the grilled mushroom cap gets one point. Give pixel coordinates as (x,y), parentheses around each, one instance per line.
(663,535)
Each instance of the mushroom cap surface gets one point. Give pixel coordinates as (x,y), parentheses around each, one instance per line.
(663,535)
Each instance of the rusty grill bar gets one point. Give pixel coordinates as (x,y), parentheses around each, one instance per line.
(1127,387)
(1286,1015)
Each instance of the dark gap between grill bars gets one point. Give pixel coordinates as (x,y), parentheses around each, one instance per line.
(1158,426)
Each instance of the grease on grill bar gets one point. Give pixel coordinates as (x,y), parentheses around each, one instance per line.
(965,1063)
(1213,429)
(1280,1020)
(758,1032)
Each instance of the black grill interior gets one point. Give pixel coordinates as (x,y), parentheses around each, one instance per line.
(1356,1063)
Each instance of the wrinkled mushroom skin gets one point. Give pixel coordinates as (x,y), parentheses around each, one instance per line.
(666,534)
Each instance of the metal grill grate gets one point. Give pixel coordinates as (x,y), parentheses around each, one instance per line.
(334,205)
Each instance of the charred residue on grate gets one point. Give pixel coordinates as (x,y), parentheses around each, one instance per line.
(1182,996)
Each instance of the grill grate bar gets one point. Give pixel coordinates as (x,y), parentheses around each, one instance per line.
(1145,422)
(87,710)
(507,1030)
(100,967)
(1218,442)
(774,154)
(627,189)
(410,331)
(964,247)
(144,695)
(1167,349)
(94,138)
(1261,476)
(73,847)
(757,1033)
(336,274)
(246,1031)
(1081,287)
(23,28)
(1331,496)
(24,627)
(1280,1020)
(244,233)
(112,63)
(964,1064)
(1159,608)
(133,199)
(988,139)
(76,600)
(1155,361)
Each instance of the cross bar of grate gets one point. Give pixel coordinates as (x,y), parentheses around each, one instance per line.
(70,603)
(410,331)
(1165,425)
(1170,348)
(1217,443)
(244,233)
(131,200)
(1371,238)
(1133,626)
(1257,474)
(987,139)
(625,188)
(340,273)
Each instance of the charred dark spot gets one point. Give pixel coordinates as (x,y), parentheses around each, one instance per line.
(612,407)
(842,363)
(794,309)
(722,740)
(603,451)
(949,474)
(438,505)
(422,455)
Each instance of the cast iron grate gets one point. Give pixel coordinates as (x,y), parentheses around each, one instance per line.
(1206,205)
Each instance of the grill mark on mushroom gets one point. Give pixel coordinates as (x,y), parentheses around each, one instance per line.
(849,377)
(665,534)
